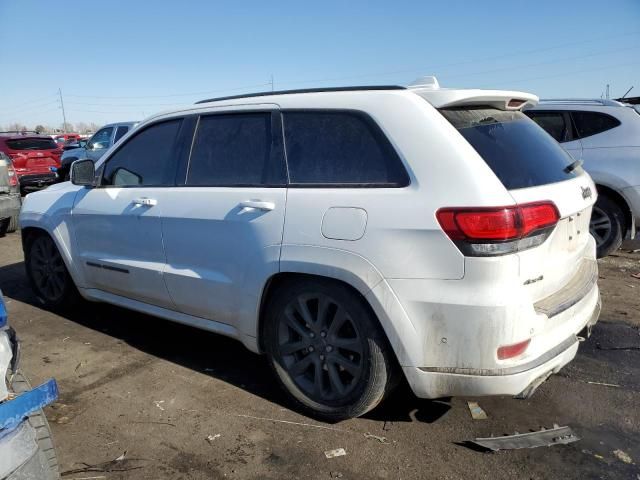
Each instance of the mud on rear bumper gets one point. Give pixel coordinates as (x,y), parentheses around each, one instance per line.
(519,381)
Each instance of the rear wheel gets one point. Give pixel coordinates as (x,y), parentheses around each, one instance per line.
(39,423)
(4,226)
(48,275)
(327,349)
(607,226)
(13,224)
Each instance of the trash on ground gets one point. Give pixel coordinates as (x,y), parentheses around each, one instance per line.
(542,438)
(118,464)
(622,456)
(377,437)
(211,438)
(159,404)
(335,474)
(604,384)
(338,452)
(636,275)
(477,413)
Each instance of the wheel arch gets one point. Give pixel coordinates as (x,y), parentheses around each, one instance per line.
(619,199)
(365,282)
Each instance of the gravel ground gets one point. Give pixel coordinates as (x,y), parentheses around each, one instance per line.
(181,403)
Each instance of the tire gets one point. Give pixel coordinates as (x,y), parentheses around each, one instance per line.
(4,226)
(48,275)
(38,422)
(607,226)
(337,364)
(13,224)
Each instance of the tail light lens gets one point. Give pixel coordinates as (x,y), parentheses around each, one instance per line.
(498,230)
(13,178)
(510,351)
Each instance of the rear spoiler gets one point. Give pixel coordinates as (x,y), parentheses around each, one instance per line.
(429,89)
(500,99)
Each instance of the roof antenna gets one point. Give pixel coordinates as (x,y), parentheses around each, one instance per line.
(625,93)
(428,82)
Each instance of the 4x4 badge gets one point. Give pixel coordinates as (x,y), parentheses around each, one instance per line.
(586,192)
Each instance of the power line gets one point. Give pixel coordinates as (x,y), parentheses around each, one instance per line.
(559,60)
(174,94)
(562,74)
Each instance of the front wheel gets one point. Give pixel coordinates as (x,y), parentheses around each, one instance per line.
(48,275)
(607,226)
(327,349)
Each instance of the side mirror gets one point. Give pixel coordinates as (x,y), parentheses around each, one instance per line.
(83,172)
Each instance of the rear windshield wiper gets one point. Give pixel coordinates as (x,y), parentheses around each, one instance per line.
(572,166)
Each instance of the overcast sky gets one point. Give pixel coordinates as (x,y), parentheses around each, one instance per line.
(124,60)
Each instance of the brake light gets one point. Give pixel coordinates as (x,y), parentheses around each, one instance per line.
(13,178)
(510,351)
(498,230)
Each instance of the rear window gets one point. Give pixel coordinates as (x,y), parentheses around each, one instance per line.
(519,152)
(590,123)
(32,144)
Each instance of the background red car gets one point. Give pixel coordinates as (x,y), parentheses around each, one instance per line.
(65,138)
(35,158)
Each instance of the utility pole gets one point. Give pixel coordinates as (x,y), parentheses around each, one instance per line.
(607,91)
(272,82)
(64,116)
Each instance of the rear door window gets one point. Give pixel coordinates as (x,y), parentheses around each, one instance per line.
(233,150)
(591,123)
(32,144)
(554,123)
(519,152)
(339,148)
(120,131)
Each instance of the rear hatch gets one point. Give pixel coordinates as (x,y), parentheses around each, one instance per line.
(535,170)
(33,155)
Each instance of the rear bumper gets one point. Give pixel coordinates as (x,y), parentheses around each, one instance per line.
(9,205)
(520,380)
(449,344)
(37,181)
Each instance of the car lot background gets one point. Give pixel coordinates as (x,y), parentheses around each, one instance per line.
(181,403)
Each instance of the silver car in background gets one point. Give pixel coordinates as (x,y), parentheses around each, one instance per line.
(99,143)
(605,136)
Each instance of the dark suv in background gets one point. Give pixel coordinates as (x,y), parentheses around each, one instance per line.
(35,158)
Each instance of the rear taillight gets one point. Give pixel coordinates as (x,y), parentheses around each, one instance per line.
(498,230)
(13,178)
(510,351)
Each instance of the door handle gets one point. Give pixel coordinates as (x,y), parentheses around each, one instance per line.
(249,205)
(145,202)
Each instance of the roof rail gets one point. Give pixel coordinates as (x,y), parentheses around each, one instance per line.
(580,101)
(305,90)
(20,132)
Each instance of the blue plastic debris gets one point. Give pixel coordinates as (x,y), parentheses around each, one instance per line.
(13,412)
(3,311)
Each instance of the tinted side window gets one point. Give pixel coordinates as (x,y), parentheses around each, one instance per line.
(120,131)
(590,123)
(235,150)
(339,148)
(553,123)
(146,159)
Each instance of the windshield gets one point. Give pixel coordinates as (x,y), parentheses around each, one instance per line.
(32,144)
(519,152)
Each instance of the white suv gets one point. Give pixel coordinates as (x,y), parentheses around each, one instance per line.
(352,235)
(605,135)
